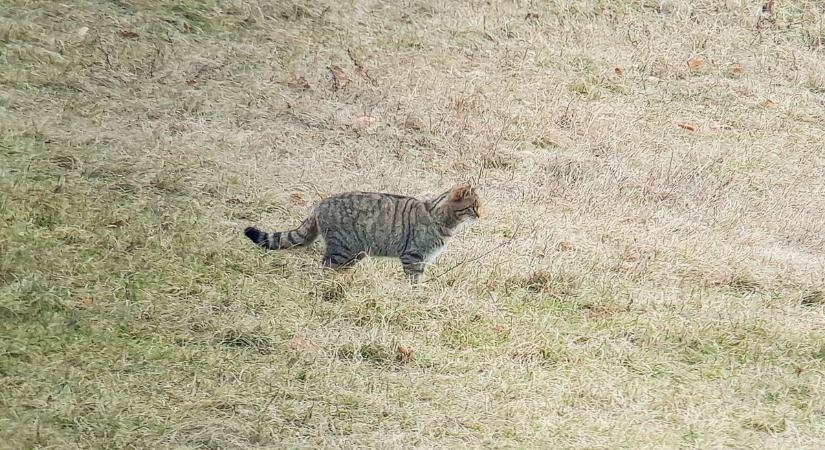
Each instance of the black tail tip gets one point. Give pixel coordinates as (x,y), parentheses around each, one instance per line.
(254,234)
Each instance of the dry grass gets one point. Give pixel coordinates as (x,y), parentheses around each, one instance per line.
(657,287)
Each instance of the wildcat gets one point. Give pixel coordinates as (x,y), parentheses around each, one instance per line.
(357,224)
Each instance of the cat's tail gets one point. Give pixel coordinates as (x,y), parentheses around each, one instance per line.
(305,234)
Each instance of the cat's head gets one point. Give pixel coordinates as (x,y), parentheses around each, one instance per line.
(463,203)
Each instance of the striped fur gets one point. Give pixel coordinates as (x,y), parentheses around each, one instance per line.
(357,224)
(303,235)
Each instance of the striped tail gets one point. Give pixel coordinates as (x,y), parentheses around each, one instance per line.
(303,235)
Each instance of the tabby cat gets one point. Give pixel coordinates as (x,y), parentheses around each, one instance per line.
(357,224)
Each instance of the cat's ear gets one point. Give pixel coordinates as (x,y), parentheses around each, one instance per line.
(460,193)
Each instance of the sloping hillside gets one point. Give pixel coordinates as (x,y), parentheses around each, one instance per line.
(648,272)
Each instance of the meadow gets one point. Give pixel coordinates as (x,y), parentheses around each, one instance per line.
(649,270)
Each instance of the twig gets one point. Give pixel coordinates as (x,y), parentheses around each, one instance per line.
(465,260)
(360,68)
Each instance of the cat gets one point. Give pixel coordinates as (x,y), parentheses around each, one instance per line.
(357,224)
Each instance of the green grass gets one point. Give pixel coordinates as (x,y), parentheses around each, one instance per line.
(653,287)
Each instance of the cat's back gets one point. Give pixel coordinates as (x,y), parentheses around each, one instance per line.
(365,203)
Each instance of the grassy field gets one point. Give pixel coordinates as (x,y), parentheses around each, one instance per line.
(653,176)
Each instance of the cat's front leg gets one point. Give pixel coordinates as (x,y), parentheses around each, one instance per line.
(413,264)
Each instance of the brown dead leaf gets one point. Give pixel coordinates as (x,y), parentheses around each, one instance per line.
(117,223)
(405,355)
(798,371)
(126,34)
(564,246)
(298,82)
(87,302)
(296,199)
(363,121)
(191,82)
(300,344)
(618,71)
(735,70)
(339,77)
(695,64)
(413,123)
(767,103)
(688,126)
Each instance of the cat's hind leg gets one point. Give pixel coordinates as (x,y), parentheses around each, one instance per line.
(340,261)
(337,255)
